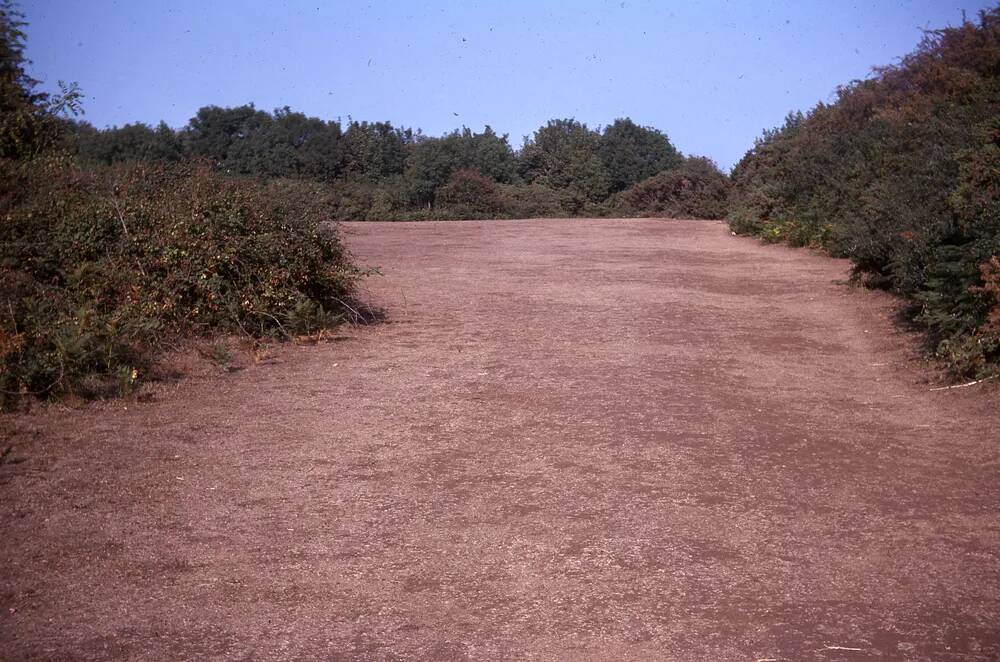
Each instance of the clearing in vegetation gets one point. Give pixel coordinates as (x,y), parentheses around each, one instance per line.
(598,439)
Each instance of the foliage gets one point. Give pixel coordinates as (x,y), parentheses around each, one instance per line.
(433,161)
(471,194)
(901,174)
(631,153)
(990,273)
(373,151)
(29,120)
(102,266)
(132,142)
(564,155)
(695,189)
(590,165)
(533,201)
(385,172)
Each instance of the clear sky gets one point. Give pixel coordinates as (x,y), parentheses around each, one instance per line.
(711,75)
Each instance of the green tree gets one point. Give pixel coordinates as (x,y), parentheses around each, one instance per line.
(132,142)
(29,120)
(565,154)
(432,161)
(216,133)
(631,153)
(374,151)
(488,153)
(318,145)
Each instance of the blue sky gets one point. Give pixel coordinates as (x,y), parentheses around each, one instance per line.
(711,75)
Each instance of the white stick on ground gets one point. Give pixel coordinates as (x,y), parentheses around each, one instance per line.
(978,381)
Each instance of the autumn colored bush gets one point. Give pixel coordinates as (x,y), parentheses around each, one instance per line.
(990,272)
(100,267)
(694,189)
(470,194)
(901,174)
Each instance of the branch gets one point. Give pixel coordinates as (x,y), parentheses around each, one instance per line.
(978,381)
(121,217)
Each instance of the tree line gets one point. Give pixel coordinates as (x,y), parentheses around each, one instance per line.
(383,171)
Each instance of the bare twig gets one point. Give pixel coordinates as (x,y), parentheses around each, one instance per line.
(276,321)
(121,218)
(357,315)
(13,318)
(978,381)
(837,648)
(243,328)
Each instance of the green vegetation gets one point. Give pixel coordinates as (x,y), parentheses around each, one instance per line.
(694,189)
(382,172)
(901,175)
(101,266)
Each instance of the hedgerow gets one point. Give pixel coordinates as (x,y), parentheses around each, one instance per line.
(101,266)
(901,175)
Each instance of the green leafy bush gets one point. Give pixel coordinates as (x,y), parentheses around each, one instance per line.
(99,267)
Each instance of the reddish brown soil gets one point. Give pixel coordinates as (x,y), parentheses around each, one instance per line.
(570,440)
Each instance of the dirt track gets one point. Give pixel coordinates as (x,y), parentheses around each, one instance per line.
(571,440)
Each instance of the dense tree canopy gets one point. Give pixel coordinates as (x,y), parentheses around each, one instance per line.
(631,153)
(374,151)
(390,169)
(564,154)
(432,161)
(132,142)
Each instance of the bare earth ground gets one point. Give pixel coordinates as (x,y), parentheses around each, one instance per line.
(571,440)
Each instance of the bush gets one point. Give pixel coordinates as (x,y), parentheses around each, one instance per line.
(468,193)
(533,201)
(901,175)
(100,267)
(990,330)
(391,199)
(695,189)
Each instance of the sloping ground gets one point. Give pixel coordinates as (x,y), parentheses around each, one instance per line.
(571,440)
